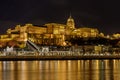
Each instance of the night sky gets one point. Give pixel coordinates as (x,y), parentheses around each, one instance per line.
(101,14)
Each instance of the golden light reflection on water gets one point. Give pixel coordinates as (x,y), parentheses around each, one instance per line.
(60,70)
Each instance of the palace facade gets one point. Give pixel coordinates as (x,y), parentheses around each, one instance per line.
(48,34)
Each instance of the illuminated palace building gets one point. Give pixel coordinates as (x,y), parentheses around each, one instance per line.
(48,34)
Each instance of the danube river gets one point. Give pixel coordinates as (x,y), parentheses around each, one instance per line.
(60,70)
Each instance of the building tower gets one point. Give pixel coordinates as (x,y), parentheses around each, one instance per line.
(70,22)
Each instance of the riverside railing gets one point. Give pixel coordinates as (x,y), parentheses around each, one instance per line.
(56,53)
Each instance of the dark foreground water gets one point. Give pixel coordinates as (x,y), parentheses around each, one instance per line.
(60,70)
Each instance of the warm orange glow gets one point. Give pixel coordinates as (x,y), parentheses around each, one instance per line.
(49,34)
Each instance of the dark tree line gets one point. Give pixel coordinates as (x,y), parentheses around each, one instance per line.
(93,41)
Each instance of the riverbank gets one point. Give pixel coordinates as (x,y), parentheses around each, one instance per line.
(16,58)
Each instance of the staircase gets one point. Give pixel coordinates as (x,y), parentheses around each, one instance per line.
(33,46)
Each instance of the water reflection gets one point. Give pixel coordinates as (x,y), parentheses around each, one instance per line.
(60,70)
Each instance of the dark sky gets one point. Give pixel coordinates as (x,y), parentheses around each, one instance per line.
(101,14)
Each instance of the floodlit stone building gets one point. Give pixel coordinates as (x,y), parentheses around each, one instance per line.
(85,32)
(48,34)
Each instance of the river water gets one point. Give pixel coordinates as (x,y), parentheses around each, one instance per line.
(60,70)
